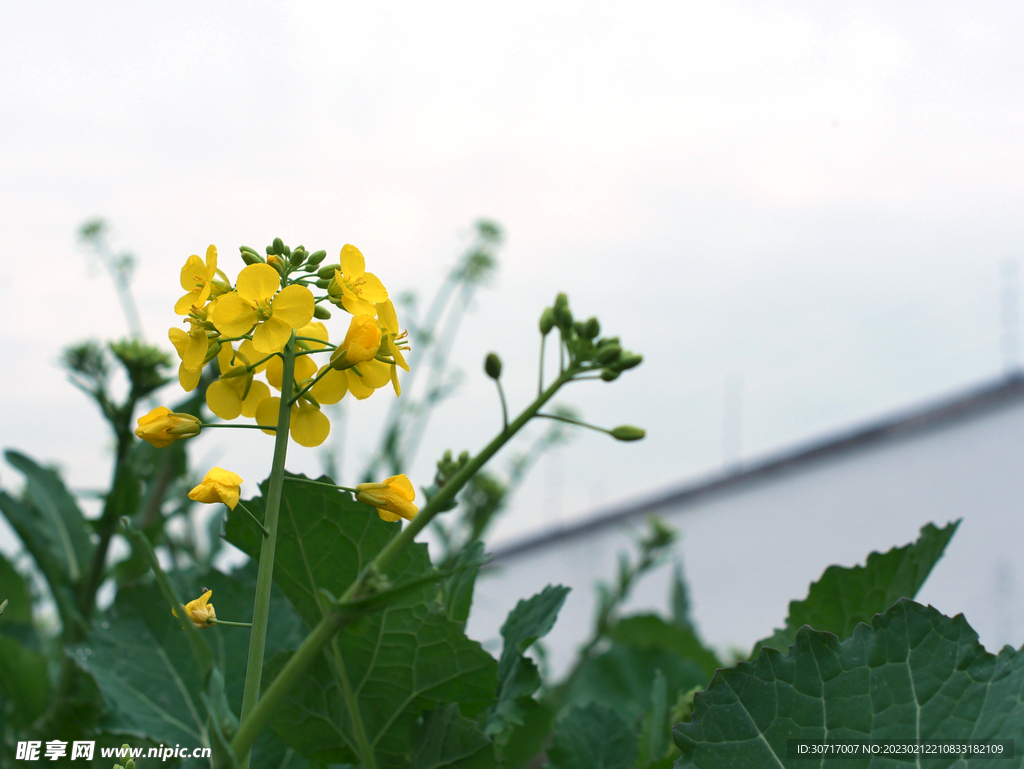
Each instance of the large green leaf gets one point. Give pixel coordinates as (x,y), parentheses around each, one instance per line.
(845,596)
(623,677)
(450,740)
(531,619)
(913,674)
(24,679)
(649,631)
(60,521)
(399,662)
(593,737)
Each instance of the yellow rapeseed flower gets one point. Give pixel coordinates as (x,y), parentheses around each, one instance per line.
(200,611)
(161,427)
(218,485)
(197,279)
(256,301)
(356,289)
(360,345)
(392,498)
(236,393)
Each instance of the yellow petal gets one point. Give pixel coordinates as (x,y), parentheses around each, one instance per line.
(331,388)
(357,306)
(372,290)
(315,330)
(294,305)
(386,516)
(211,262)
(233,315)
(195,351)
(258,282)
(394,382)
(353,265)
(193,274)
(188,378)
(179,339)
(305,368)
(258,392)
(226,358)
(223,399)
(267,411)
(250,356)
(310,427)
(271,335)
(402,485)
(387,316)
(184,305)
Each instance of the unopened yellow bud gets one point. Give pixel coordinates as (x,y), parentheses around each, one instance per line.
(161,427)
(361,343)
(392,498)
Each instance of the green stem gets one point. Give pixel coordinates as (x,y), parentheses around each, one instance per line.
(251,725)
(352,703)
(204,425)
(453,486)
(504,405)
(540,378)
(254,518)
(292,479)
(232,624)
(306,389)
(576,422)
(265,575)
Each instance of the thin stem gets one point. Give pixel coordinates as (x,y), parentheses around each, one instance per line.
(576,422)
(540,380)
(292,479)
(232,624)
(204,425)
(352,703)
(254,518)
(314,339)
(504,406)
(265,575)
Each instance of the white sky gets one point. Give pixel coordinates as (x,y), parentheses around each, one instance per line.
(811,197)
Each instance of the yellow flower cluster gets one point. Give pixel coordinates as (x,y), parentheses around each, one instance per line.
(245,329)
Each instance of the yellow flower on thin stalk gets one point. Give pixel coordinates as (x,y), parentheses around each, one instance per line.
(161,427)
(360,345)
(236,393)
(218,485)
(353,287)
(392,497)
(200,611)
(256,301)
(308,426)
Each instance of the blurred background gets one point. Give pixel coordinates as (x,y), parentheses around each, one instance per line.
(805,216)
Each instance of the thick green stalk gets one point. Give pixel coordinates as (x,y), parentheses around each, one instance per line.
(265,576)
(251,725)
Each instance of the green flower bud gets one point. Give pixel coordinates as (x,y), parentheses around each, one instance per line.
(321,312)
(578,327)
(323,283)
(286,251)
(298,256)
(129,764)
(563,315)
(547,321)
(492,365)
(316,257)
(591,329)
(610,375)
(328,271)
(278,247)
(627,433)
(250,258)
(608,354)
(627,361)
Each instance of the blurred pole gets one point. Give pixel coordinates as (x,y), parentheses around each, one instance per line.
(732,425)
(1009,317)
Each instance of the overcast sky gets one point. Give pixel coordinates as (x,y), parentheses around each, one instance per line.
(804,203)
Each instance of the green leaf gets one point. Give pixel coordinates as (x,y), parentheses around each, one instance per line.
(526,741)
(844,596)
(14,590)
(60,519)
(399,662)
(649,631)
(531,619)
(623,678)
(593,737)
(24,679)
(913,674)
(448,739)
(656,731)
